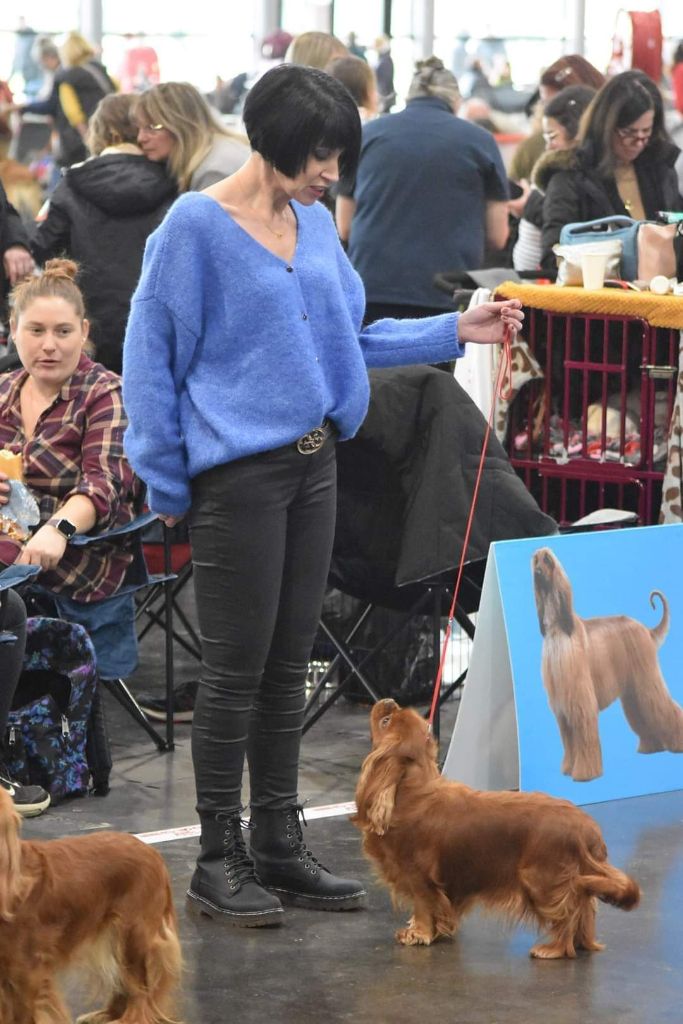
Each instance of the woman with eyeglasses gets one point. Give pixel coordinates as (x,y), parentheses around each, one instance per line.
(176,126)
(624,163)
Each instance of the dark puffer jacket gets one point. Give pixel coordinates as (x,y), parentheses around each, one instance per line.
(579,194)
(101,214)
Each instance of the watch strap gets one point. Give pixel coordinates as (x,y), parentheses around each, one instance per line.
(66,528)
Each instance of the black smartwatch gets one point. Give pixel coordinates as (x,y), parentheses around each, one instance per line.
(66,528)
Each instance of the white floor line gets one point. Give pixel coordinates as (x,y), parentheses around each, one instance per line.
(168,835)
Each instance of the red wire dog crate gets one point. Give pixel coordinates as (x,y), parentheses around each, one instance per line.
(591,433)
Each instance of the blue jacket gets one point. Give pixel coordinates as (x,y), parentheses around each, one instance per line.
(423,182)
(231,351)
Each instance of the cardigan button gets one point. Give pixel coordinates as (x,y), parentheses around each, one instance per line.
(290,270)
(304,316)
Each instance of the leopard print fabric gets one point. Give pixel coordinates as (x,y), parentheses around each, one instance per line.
(671,510)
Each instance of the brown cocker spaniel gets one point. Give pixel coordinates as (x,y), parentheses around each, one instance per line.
(589,663)
(100,901)
(441,847)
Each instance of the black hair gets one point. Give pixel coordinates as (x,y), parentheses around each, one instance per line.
(568,106)
(292,111)
(621,101)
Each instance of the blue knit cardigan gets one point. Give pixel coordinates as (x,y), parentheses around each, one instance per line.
(230,350)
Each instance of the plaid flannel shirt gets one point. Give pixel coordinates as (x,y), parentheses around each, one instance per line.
(77,448)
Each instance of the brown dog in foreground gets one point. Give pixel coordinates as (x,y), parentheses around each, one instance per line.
(101,901)
(441,847)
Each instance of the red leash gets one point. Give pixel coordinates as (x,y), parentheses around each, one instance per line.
(504,370)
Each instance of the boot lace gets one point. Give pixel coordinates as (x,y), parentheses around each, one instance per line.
(295,817)
(239,867)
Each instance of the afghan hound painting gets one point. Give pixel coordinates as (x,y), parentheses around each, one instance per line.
(101,902)
(442,848)
(588,663)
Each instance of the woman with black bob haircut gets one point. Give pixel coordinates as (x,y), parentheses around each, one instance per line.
(245,360)
(294,111)
(624,163)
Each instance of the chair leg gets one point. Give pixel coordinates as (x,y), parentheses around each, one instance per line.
(118,689)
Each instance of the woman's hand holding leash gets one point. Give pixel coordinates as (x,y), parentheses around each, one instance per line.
(491,323)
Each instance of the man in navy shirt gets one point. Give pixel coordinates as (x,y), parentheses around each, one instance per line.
(430,194)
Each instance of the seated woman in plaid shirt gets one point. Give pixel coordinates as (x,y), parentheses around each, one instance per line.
(64,415)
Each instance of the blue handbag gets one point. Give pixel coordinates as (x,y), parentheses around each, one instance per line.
(617,227)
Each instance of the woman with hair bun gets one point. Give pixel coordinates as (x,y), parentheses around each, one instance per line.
(430,194)
(64,416)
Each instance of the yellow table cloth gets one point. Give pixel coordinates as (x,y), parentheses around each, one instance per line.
(658,310)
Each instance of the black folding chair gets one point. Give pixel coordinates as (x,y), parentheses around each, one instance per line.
(140,580)
(405,485)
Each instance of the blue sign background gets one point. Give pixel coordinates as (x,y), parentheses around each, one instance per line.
(611,573)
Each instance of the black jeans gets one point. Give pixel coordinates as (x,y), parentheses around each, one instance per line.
(261,530)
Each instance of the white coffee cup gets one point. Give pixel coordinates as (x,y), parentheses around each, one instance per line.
(593,267)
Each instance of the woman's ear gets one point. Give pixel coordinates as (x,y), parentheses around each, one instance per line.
(85,327)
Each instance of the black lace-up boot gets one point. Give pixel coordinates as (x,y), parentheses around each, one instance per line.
(225,885)
(286,866)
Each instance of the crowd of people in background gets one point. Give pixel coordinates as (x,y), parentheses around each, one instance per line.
(409,193)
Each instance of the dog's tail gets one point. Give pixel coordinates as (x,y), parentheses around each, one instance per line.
(658,633)
(610,885)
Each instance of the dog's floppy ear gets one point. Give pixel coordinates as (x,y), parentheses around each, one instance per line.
(10,856)
(376,790)
(400,738)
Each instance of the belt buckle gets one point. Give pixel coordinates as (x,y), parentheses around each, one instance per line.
(311,442)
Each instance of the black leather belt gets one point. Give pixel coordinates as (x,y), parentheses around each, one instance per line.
(315,439)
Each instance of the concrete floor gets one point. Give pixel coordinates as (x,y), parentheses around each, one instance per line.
(347,967)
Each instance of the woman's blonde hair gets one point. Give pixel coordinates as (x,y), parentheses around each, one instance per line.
(431,78)
(76,50)
(315,50)
(112,123)
(58,280)
(183,111)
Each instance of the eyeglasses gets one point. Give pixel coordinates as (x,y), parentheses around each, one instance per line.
(633,135)
(151,129)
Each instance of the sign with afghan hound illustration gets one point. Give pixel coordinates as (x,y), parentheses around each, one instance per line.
(581,685)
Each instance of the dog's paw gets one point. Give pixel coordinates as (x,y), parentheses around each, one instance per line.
(592,946)
(549,951)
(412,935)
